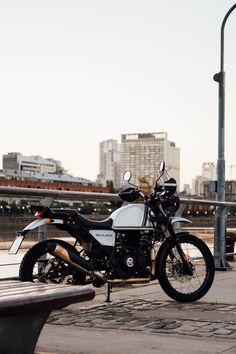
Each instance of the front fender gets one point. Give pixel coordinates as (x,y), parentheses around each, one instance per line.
(179,219)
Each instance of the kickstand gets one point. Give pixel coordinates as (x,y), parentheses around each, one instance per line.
(109,290)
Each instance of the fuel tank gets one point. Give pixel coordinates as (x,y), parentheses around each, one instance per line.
(131,215)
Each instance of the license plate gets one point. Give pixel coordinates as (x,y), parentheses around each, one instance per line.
(16,244)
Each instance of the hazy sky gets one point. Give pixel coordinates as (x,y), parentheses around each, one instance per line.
(76,72)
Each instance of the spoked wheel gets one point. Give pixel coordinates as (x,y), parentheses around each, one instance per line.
(185,283)
(39,265)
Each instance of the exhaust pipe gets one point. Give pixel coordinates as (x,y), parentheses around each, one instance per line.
(72,257)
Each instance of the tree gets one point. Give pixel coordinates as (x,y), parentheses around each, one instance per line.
(110,186)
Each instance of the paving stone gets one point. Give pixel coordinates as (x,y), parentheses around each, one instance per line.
(84,325)
(222,331)
(65,321)
(231,327)
(172,325)
(127,315)
(155,325)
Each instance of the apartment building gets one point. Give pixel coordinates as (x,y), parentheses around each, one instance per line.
(141,154)
(109,162)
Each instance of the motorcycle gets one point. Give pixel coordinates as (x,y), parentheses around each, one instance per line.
(137,243)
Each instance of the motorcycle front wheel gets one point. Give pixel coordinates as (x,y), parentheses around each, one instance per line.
(39,265)
(176,282)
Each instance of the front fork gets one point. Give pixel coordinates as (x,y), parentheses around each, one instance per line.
(153,259)
(187,266)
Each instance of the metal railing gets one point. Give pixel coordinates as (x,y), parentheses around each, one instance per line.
(219,241)
(47,197)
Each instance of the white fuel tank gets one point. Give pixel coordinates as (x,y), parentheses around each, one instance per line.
(131,215)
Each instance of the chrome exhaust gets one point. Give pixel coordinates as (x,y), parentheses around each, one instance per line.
(73,258)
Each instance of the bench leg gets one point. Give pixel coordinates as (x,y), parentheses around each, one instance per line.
(19,333)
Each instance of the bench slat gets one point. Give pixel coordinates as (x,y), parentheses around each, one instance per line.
(21,297)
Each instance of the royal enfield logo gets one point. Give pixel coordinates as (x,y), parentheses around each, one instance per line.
(105,237)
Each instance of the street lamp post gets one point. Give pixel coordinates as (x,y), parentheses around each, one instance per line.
(220,226)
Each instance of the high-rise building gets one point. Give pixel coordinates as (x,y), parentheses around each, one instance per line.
(200,182)
(109,162)
(186,189)
(198,186)
(142,152)
(209,171)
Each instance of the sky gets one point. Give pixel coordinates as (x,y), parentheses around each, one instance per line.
(75,73)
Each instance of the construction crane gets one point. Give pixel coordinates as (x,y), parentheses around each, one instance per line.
(231,168)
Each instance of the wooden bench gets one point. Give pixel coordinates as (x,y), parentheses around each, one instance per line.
(24,308)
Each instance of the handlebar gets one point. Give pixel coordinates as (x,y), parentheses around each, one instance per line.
(162,195)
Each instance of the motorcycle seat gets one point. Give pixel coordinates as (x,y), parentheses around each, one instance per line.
(56,213)
(107,223)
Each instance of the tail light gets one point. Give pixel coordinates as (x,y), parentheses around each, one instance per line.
(38,214)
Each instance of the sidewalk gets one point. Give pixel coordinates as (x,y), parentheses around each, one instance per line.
(142,319)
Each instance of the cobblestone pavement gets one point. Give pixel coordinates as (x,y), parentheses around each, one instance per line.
(192,319)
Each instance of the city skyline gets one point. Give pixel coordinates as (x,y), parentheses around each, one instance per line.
(76,73)
(42,167)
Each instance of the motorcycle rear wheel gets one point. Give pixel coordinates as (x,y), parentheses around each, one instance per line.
(39,265)
(170,271)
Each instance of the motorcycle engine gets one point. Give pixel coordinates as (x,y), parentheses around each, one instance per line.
(131,257)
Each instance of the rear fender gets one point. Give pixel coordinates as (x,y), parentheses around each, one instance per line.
(40,222)
(33,225)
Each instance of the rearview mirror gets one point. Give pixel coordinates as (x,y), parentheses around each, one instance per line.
(127,176)
(162,166)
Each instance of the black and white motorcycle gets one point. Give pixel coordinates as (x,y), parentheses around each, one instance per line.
(136,244)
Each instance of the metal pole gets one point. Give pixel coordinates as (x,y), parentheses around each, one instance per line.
(220,226)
